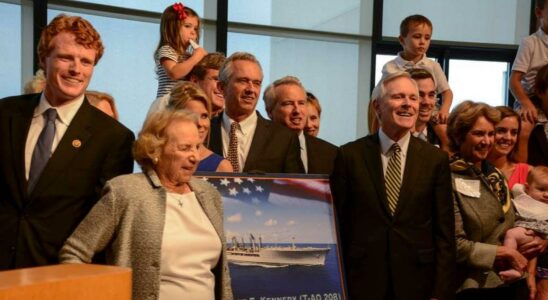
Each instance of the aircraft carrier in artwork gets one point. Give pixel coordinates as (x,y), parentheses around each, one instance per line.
(254,253)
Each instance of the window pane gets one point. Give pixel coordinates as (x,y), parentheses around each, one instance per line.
(156,5)
(480,81)
(333,81)
(322,15)
(10,28)
(381,59)
(126,70)
(485,21)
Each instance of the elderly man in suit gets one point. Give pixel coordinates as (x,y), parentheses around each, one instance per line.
(58,150)
(250,142)
(393,198)
(285,101)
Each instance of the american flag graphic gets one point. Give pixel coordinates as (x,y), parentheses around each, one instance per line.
(257,190)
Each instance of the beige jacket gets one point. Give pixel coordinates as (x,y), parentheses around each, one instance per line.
(128,224)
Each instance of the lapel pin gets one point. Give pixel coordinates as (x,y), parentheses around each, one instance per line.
(76,143)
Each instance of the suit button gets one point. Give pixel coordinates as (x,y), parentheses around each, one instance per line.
(155,264)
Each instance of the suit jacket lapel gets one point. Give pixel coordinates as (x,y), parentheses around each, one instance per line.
(260,137)
(73,141)
(20,125)
(373,164)
(215,135)
(410,173)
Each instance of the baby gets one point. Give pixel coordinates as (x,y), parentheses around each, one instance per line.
(531,202)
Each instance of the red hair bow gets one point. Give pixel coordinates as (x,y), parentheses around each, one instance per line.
(180,9)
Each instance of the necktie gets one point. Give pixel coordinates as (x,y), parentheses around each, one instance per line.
(233,147)
(392,178)
(42,150)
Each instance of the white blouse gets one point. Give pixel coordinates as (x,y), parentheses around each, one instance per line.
(190,249)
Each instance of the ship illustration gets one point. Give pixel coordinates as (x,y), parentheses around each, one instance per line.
(254,253)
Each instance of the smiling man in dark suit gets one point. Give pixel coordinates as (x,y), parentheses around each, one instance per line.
(250,142)
(393,197)
(57,150)
(285,101)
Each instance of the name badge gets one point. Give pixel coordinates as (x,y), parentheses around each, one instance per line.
(468,187)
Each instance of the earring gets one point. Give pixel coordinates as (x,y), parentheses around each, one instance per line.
(155,160)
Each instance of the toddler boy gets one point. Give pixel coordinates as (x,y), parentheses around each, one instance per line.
(415,35)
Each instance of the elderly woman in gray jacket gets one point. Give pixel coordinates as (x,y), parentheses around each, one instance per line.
(163,224)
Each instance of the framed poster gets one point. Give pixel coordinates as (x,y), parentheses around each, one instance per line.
(281,237)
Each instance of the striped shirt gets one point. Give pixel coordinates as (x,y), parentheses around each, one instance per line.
(164,82)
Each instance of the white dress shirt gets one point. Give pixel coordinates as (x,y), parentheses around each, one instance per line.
(244,135)
(386,153)
(424,132)
(65,114)
(191,248)
(304,155)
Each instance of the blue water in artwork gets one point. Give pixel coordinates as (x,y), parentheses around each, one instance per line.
(301,282)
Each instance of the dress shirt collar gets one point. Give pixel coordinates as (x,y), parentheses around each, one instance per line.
(386,142)
(65,112)
(407,64)
(424,132)
(542,35)
(302,140)
(304,151)
(247,126)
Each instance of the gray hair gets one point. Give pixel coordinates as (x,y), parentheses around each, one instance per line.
(269,95)
(225,73)
(380,89)
(152,138)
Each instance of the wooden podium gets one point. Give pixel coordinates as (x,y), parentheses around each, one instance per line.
(70,281)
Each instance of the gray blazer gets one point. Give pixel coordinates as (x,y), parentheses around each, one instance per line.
(480,226)
(128,224)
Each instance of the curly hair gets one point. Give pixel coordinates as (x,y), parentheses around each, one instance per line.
(464,116)
(152,138)
(84,34)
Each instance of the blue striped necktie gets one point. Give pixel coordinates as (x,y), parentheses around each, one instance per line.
(42,150)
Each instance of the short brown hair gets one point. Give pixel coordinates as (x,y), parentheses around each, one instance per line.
(152,138)
(413,20)
(464,116)
(83,32)
(540,4)
(212,61)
